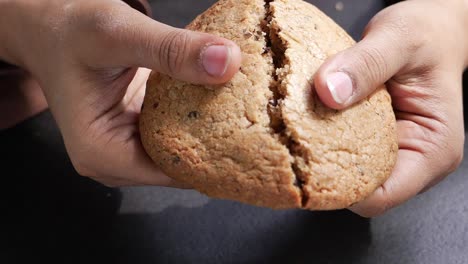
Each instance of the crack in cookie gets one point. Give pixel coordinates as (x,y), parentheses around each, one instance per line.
(277,48)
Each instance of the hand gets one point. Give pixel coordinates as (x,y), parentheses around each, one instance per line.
(92,59)
(422,60)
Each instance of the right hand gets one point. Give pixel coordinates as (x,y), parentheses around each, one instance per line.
(92,60)
(421,60)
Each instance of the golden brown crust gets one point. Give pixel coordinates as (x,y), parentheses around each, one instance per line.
(221,142)
(342,156)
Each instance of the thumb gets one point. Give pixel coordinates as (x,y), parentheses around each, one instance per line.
(355,73)
(183,54)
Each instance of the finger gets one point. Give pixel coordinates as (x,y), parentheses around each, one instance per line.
(121,162)
(419,165)
(114,183)
(409,177)
(180,185)
(135,94)
(131,168)
(129,38)
(117,183)
(355,73)
(135,164)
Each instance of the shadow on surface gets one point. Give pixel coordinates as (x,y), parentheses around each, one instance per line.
(228,232)
(50,210)
(53,214)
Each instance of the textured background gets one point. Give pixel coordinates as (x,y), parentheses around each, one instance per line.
(49,213)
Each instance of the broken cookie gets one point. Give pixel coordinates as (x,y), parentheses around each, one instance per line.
(264,138)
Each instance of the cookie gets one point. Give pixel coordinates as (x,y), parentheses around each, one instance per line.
(264,138)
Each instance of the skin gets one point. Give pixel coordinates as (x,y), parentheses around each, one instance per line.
(419,49)
(92,59)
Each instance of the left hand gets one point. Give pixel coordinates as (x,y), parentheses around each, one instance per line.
(419,48)
(92,60)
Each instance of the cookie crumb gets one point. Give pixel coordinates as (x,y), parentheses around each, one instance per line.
(176,160)
(194,115)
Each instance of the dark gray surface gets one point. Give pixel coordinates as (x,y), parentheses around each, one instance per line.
(51,214)
(353,18)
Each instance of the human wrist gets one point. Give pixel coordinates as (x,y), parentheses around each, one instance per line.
(465,27)
(459,8)
(461,11)
(9,28)
(6,66)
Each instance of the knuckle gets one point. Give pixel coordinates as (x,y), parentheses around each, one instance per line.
(83,169)
(399,24)
(372,211)
(372,63)
(378,209)
(449,151)
(379,203)
(378,19)
(104,19)
(60,21)
(399,27)
(385,201)
(89,24)
(395,19)
(82,158)
(455,158)
(400,30)
(172,51)
(98,18)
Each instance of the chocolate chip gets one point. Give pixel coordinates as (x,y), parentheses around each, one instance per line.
(258,35)
(296,183)
(155,105)
(194,115)
(176,160)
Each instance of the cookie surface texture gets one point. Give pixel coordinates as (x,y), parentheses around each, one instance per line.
(264,138)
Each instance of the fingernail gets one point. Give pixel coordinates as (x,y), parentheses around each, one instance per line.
(216,59)
(340,86)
